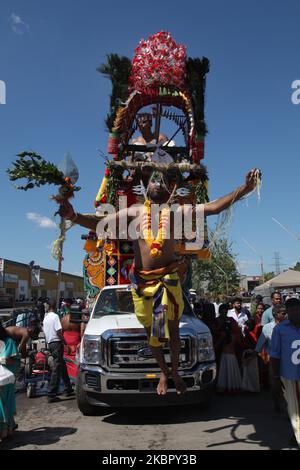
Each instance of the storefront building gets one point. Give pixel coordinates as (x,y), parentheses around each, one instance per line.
(27,282)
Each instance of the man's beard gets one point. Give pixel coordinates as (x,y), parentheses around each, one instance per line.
(159,196)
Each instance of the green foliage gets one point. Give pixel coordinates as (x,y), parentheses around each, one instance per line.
(297,266)
(201,193)
(270,275)
(196,81)
(207,276)
(117,68)
(36,170)
(113,184)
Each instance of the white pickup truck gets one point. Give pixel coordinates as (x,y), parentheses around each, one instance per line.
(116,367)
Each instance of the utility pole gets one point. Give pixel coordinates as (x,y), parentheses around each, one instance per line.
(277,259)
(278,265)
(60,244)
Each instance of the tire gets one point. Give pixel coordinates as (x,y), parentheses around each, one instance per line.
(27,370)
(31,391)
(82,401)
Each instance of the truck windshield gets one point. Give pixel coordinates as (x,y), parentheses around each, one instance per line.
(114,302)
(119,301)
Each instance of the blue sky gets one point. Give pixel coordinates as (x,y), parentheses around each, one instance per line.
(56,102)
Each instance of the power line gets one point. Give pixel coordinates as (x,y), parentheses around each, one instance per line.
(294,235)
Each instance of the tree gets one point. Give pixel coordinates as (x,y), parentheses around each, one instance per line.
(219,275)
(269,276)
(297,266)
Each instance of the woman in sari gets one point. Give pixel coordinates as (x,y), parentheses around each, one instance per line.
(258,316)
(9,358)
(229,377)
(250,376)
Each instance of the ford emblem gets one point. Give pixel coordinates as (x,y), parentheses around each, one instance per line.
(144,353)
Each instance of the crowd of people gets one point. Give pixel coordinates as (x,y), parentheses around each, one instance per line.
(257,349)
(62,338)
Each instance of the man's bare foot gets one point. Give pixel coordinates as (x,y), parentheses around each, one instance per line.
(162,386)
(179,384)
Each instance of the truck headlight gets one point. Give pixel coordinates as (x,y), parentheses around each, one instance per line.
(205,348)
(91,352)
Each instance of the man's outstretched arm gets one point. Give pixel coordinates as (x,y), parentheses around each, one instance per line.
(217,206)
(102,224)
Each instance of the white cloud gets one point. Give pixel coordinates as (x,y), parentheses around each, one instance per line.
(18,26)
(41,220)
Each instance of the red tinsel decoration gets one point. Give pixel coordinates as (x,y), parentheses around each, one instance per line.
(158,62)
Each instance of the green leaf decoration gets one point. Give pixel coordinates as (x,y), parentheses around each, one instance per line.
(196,82)
(201,193)
(117,68)
(113,184)
(37,171)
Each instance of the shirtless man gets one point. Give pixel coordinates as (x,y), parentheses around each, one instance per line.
(158,192)
(72,333)
(22,335)
(145,126)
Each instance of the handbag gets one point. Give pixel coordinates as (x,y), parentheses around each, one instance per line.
(6,376)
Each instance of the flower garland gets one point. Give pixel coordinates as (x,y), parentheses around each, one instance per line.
(155,244)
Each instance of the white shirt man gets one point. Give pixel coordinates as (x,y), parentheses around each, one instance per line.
(52,328)
(54,337)
(238,313)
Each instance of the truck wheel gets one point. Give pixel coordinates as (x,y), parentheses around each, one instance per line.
(82,402)
(27,370)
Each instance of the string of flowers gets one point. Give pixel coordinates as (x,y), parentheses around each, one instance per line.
(155,244)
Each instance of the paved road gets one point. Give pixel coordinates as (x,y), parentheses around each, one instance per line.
(241,422)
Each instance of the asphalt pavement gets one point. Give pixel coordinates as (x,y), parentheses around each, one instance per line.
(231,422)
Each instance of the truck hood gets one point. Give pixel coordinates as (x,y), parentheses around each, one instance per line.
(97,326)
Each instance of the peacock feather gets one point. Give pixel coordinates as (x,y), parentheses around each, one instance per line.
(196,80)
(117,68)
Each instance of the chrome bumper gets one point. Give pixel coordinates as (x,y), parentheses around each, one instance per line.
(139,389)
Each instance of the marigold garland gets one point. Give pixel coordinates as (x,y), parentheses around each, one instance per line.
(155,244)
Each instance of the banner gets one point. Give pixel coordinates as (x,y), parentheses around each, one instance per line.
(8,277)
(35,277)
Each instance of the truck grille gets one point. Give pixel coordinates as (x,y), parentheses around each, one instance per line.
(134,353)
